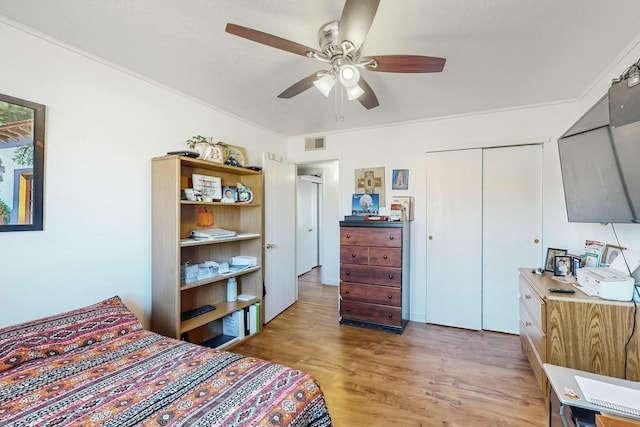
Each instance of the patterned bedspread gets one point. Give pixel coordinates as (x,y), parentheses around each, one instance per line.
(105,370)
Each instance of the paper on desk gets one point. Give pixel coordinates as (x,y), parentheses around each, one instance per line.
(612,396)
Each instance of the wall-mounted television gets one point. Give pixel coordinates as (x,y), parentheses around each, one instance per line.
(624,113)
(595,188)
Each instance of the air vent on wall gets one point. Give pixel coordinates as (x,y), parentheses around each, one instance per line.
(312,144)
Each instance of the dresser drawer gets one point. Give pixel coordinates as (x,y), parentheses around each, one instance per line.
(364,236)
(385,257)
(387,276)
(533,330)
(534,359)
(371,312)
(534,304)
(371,293)
(354,255)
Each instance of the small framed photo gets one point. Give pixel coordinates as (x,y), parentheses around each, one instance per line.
(577,262)
(364,204)
(562,265)
(591,259)
(229,194)
(551,252)
(611,252)
(207,186)
(400,179)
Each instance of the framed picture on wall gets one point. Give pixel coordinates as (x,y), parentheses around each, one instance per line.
(22,129)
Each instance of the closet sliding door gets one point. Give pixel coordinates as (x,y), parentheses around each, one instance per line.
(511,229)
(484,220)
(454,238)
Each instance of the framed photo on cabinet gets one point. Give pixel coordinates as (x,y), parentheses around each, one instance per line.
(551,252)
(562,265)
(207,186)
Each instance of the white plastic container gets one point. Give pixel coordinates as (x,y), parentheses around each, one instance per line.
(232,289)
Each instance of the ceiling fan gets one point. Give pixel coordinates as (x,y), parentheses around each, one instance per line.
(340,45)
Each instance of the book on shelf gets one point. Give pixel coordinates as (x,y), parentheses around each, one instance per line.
(233,324)
(252,319)
(245,297)
(212,233)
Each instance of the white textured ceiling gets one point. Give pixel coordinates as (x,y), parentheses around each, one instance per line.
(500,53)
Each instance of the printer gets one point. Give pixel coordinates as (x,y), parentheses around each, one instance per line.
(607,283)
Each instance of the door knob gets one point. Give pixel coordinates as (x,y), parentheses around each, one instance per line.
(270,246)
(311,229)
(430,237)
(536,241)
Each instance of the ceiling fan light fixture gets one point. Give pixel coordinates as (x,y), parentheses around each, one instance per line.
(349,75)
(325,83)
(354,92)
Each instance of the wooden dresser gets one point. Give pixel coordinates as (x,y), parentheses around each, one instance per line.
(575,330)
(374,274)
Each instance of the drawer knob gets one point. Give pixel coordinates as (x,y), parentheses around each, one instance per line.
(390,297)
(527,297)
(390,315)
(391,276)
(348,236)
(390,237)
(348,273)
(347,291)
(353,255)
(384,257)
(348,309)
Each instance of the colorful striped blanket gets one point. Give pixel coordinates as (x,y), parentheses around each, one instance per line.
(103,369)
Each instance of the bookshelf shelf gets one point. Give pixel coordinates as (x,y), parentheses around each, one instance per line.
(173,219)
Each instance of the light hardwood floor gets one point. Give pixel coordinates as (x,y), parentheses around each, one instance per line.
(428,376)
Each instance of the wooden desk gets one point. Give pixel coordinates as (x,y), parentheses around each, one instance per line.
(611,421)
(562,380)
(575,330)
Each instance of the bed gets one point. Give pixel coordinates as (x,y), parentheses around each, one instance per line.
(97,366)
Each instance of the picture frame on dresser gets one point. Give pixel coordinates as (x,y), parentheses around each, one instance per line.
(562,265)
(552,252)
(610,253)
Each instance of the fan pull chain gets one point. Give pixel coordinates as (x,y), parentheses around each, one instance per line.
(339,102)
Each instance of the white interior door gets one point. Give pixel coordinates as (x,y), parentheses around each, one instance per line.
(454,238)
(279,236)
(512,229)
(307,225)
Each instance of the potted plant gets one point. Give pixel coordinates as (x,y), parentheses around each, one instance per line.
(207,148)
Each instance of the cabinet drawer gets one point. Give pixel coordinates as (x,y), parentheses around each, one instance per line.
(534,359)
(385,257)
(370,293)
(371,312)
(387,276)
(534,304)
(533,331)
(364,236)
(354,255)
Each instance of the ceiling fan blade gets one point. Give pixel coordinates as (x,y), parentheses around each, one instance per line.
(368,99)
(268,39)
(406,64)
(357,17)
(301,86)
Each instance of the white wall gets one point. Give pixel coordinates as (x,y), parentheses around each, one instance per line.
(404,146)
(330,216)
(103,128)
